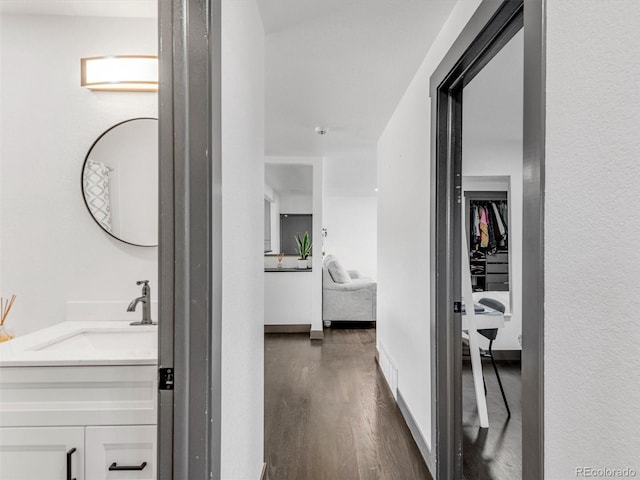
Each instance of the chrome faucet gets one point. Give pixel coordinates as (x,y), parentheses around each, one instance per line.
(146,304)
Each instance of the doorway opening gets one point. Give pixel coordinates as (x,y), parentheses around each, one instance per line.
(492,111)
(479,281)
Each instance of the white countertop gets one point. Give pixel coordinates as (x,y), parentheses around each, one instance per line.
(116,346)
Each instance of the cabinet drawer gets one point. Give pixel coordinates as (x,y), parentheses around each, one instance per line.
(497,268)
(498,258)
(78,395)
(498,278)
(497,287)
(126,446)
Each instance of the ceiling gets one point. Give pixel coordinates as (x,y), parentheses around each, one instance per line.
(343,65)
(339,64)
(86,8)
(289,179)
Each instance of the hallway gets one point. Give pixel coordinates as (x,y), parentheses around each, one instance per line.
(329,413)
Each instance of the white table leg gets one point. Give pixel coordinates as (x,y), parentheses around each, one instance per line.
(476,368)
(474,348)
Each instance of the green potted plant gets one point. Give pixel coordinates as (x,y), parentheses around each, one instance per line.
(304,250)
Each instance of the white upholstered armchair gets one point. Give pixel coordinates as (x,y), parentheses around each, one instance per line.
(346,296)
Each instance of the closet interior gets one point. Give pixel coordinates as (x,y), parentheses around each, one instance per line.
(488,233)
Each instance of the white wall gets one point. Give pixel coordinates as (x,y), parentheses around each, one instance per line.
(288,297)
(403,231)
(352,174)
(592,227)
(351,224)
(52,250)
(350,213)
(242,217)
(492,112)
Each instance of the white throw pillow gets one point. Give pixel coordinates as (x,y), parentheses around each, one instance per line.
(337,272)
(328,258)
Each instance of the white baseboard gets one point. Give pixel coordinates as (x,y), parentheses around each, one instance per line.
(390,374)
(423,446)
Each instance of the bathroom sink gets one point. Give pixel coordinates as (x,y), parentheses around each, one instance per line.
(83,343)
(124,339)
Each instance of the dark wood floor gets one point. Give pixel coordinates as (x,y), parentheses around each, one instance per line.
(493,453)
(329,413)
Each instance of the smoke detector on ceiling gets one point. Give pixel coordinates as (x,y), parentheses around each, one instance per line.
(321,130)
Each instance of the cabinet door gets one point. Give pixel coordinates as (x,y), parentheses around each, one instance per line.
(38,453)
(130,452)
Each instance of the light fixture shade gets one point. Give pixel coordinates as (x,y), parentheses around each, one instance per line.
(125,73)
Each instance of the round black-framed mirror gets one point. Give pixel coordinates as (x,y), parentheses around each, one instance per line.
(119,181)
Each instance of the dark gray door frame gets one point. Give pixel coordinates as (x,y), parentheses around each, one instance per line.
(190,238)
(492,26)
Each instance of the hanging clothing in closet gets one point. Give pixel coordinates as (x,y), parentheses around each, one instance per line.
(488,225)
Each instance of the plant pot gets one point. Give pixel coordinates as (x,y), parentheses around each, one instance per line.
(302,264)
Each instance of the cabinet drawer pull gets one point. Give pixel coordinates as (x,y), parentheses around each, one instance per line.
(114,466)
(69,453)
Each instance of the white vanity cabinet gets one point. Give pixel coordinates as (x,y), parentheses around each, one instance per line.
(91,386)
(41,453)
(106,412)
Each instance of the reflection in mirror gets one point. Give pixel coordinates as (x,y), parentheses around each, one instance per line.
(120,181)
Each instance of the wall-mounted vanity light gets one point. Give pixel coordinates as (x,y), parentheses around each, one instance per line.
(124,73)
